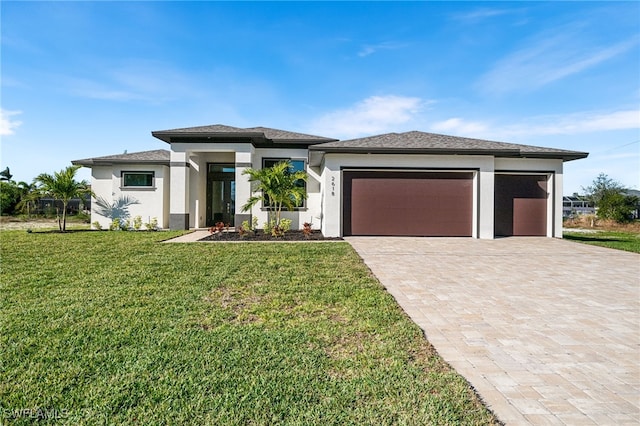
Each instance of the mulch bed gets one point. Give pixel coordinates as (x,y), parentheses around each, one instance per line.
(261,236)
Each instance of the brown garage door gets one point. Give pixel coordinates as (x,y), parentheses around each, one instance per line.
(520,205)
(407,203)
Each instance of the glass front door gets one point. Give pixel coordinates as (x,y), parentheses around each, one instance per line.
(221,194)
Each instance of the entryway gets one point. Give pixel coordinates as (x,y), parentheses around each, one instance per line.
(221,193)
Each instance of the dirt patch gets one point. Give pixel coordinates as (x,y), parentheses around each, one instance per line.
(13,224)
(591,222)
(18,224)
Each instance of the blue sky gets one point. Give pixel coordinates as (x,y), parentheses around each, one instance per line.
(86,79)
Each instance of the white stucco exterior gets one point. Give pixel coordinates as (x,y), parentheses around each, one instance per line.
(153,202)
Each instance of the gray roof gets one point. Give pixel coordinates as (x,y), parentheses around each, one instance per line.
(416,142)
(252,134)
(158,156)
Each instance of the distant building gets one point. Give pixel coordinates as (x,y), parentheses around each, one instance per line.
(575,205)
(48,205)
(634,193)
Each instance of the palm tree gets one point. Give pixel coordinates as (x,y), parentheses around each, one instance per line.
(29,196)
(63,186)
(279,187)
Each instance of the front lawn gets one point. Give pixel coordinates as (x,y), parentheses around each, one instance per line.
(628,241)
(116,328)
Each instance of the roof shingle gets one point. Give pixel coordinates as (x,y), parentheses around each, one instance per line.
(220,131)
(423,142)
(158,156)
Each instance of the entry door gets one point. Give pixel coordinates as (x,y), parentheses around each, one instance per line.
(221,194)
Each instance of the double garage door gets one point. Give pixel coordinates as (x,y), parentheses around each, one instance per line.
(407,203)
(438,204)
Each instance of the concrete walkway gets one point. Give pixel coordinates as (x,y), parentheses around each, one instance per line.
(547,331)
(191,237)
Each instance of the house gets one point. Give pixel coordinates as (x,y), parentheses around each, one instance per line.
(575,205)
(412,183)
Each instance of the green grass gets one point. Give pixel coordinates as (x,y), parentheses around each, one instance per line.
(116,328)
(628,241)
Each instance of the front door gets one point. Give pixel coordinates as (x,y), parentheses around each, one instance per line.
(221,194)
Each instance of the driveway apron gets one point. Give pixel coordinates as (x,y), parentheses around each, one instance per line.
(547,331)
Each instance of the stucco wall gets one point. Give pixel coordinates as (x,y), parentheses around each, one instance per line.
(106,182)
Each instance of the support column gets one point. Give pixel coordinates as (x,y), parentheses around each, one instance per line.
(555,201)
(486,203)
(243,161)
(179,195)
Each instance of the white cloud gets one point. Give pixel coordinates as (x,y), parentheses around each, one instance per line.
(7,124)
(459,126)
(137,81)
(547,59)
(369,49)
(376,114)
(481,14)
(570,124)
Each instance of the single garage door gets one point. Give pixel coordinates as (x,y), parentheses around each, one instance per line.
(520,205)
(408,203)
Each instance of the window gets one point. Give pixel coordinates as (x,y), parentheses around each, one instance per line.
(296,165)
(138,179)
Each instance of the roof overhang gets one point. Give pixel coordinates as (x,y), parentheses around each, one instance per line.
(257,139)
(98,162)
(502,153)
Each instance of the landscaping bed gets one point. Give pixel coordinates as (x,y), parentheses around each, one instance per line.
(259,235)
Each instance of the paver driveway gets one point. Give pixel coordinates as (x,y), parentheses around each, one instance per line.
(546,330)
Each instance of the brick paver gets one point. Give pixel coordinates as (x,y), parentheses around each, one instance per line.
(546,330)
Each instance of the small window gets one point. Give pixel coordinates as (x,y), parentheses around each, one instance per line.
(138,179)
(296,165)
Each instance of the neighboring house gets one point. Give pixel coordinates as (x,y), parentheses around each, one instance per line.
(412,183)
(636,194)
(574,205)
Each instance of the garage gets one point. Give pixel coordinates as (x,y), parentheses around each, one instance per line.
(404,203)
(520,205)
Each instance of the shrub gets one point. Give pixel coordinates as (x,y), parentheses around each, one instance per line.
(282,228)
(152,225)
(268,226)
(137,223)
(115,224)
(248,228)
(96,225)
(306,229)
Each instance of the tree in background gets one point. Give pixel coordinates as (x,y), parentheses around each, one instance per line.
(9,196)
(610,199)
(63,186)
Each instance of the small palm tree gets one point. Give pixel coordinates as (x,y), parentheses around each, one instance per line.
(63,186)
(279,187)
(29,196)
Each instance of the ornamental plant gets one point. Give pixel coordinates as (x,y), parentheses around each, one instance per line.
(278,187)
